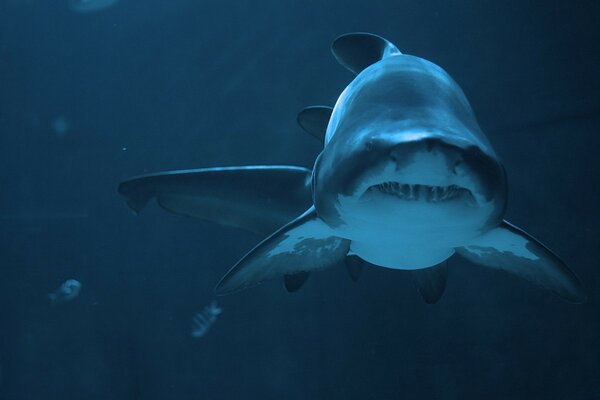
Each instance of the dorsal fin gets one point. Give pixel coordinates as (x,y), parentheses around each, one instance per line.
(356,51)
(314,120)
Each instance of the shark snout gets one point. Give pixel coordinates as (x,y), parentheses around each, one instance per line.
(425,168)
(434,162)
(433,153)
(418,159)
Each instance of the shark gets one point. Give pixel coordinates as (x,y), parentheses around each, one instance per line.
(406,180)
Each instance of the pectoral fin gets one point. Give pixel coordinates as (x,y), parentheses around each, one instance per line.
(257,198)
(510,249)
(356,51)
(305,244)
(431,282)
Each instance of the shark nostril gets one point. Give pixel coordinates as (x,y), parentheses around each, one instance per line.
(457,168)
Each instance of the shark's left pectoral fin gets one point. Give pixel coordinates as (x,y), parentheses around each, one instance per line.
(305,244)
(510,249)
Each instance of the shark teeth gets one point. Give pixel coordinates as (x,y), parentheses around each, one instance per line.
(419,192)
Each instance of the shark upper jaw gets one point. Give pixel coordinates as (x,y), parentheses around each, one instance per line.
(425,174)
(419,192)
(425,170)
(425,185)
(412,214)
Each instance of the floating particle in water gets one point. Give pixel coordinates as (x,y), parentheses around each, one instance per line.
(203,321)
(68,291)
(85,6)
(61,126)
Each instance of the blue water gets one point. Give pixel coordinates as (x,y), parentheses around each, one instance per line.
(88,99)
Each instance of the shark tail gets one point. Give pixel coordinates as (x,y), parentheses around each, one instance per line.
(257,198)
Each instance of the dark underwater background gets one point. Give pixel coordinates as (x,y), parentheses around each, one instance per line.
(90,99)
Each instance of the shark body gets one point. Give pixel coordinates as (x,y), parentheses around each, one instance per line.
(406,179)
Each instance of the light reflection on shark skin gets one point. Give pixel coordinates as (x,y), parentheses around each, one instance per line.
(406,180)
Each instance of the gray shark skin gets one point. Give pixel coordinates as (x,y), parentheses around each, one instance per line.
(406,180)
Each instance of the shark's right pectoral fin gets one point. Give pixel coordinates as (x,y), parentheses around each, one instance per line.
(510,249)
(305,244)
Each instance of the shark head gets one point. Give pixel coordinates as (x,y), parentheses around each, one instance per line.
(404,155)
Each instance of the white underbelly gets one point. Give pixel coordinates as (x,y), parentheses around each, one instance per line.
(398,256)
(402,234)
(405,246)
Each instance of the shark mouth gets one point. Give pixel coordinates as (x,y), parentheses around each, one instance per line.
(415,192)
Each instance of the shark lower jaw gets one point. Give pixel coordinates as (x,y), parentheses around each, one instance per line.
(415,192)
